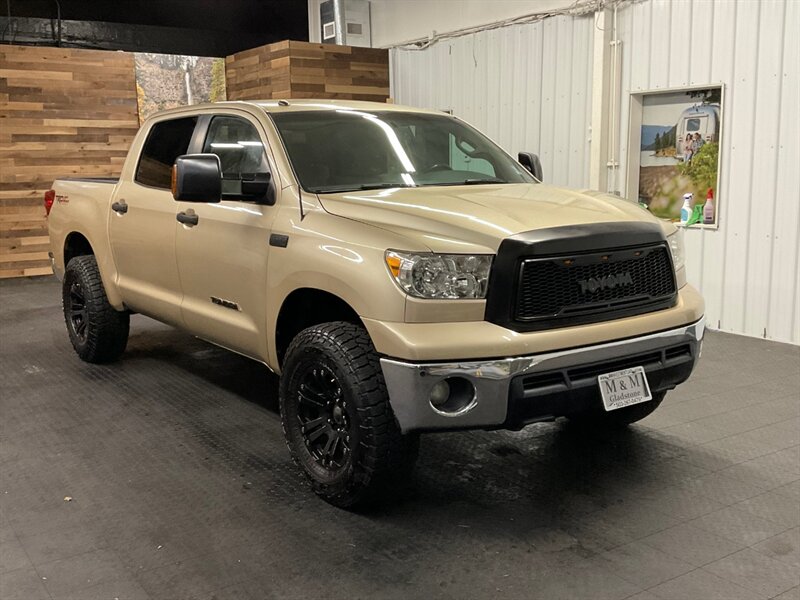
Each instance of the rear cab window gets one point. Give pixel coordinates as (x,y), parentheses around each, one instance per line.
(166,141)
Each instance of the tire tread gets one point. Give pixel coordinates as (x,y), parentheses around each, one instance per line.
(385,454)
(108,328)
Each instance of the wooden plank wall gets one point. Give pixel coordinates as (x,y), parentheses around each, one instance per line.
(63,113)
(292,69)
(67,112)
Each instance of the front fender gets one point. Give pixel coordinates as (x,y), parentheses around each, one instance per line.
(335,255)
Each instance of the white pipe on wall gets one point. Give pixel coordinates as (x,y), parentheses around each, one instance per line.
(613,104)
(599,145)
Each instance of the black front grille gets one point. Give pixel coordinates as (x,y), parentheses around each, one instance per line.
(565,287)
(534,283)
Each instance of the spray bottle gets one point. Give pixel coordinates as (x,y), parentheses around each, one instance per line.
(708,208)
(686,209)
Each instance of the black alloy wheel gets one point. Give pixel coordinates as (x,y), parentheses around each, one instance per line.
(77,313)
(322,415)
(337,418)
(97,331)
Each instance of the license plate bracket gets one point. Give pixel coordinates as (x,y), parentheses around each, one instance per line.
(624,388)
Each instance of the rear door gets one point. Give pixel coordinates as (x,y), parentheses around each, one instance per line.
(222,259)
(142,224)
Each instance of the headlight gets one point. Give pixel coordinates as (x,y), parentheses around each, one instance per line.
(428,275)
(677,249)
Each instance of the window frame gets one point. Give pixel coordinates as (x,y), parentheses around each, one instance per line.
(286,153)
(699,123)
(200,137)
(153,126)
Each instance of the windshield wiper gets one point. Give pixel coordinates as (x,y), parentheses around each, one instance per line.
(383,186)
(480,181)
(365,186)
(466,182)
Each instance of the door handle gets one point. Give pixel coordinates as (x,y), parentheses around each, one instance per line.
(190,220)
(119,207)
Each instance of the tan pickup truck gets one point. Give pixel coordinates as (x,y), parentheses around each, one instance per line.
(399,270)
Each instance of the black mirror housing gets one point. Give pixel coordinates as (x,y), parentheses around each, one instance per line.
(259,189)
(197,178)
(531,162)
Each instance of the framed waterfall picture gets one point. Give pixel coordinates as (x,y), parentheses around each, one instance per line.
(674,158)
(170,80)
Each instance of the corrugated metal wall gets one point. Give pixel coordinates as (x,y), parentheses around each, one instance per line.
(527,86)
(748,269)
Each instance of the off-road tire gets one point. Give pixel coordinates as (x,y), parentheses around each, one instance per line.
(380,457)
(102,334)
(620,418)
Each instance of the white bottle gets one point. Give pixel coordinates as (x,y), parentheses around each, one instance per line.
(708,208)
(686,209)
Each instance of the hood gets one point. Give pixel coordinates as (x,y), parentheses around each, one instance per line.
(477,218)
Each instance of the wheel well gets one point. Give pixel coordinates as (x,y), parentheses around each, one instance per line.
(76,245)
(306,307)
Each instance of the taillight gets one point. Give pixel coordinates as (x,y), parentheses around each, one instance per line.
(49,198)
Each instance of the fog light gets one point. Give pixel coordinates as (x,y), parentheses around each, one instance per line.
(452,396)
(440,393)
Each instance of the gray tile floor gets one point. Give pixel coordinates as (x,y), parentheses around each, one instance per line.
(181,486)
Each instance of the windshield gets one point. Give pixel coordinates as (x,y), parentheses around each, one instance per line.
(346,150)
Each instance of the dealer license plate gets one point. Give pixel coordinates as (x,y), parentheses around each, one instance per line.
(623,388)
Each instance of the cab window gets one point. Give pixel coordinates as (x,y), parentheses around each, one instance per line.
(166,141)
(240,150)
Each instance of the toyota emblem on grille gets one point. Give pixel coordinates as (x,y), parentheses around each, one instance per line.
(608,282)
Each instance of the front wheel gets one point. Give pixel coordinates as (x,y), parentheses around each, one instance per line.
(617,419)
(336,416)
(98,332)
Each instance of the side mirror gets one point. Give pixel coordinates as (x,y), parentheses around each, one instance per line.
(197,178)
(531,162)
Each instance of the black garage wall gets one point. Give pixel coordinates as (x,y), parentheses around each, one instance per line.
(194,27)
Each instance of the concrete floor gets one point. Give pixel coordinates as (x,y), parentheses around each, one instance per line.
(181,486)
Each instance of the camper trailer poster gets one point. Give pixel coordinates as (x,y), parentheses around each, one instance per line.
(679,155)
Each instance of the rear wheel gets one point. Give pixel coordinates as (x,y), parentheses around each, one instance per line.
(336,416)
(620,418)
(98,332)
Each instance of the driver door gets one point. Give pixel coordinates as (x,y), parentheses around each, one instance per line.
(222,260)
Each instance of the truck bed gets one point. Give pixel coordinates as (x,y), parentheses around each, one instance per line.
(80,204)
(111,180)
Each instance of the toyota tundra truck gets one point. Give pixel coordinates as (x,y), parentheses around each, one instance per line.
(398,270)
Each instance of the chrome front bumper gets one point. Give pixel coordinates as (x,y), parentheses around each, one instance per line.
(409,384)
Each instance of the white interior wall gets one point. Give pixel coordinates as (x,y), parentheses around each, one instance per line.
(313,21)
(397,21)
(749,268)
(529,87)
(526,86)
